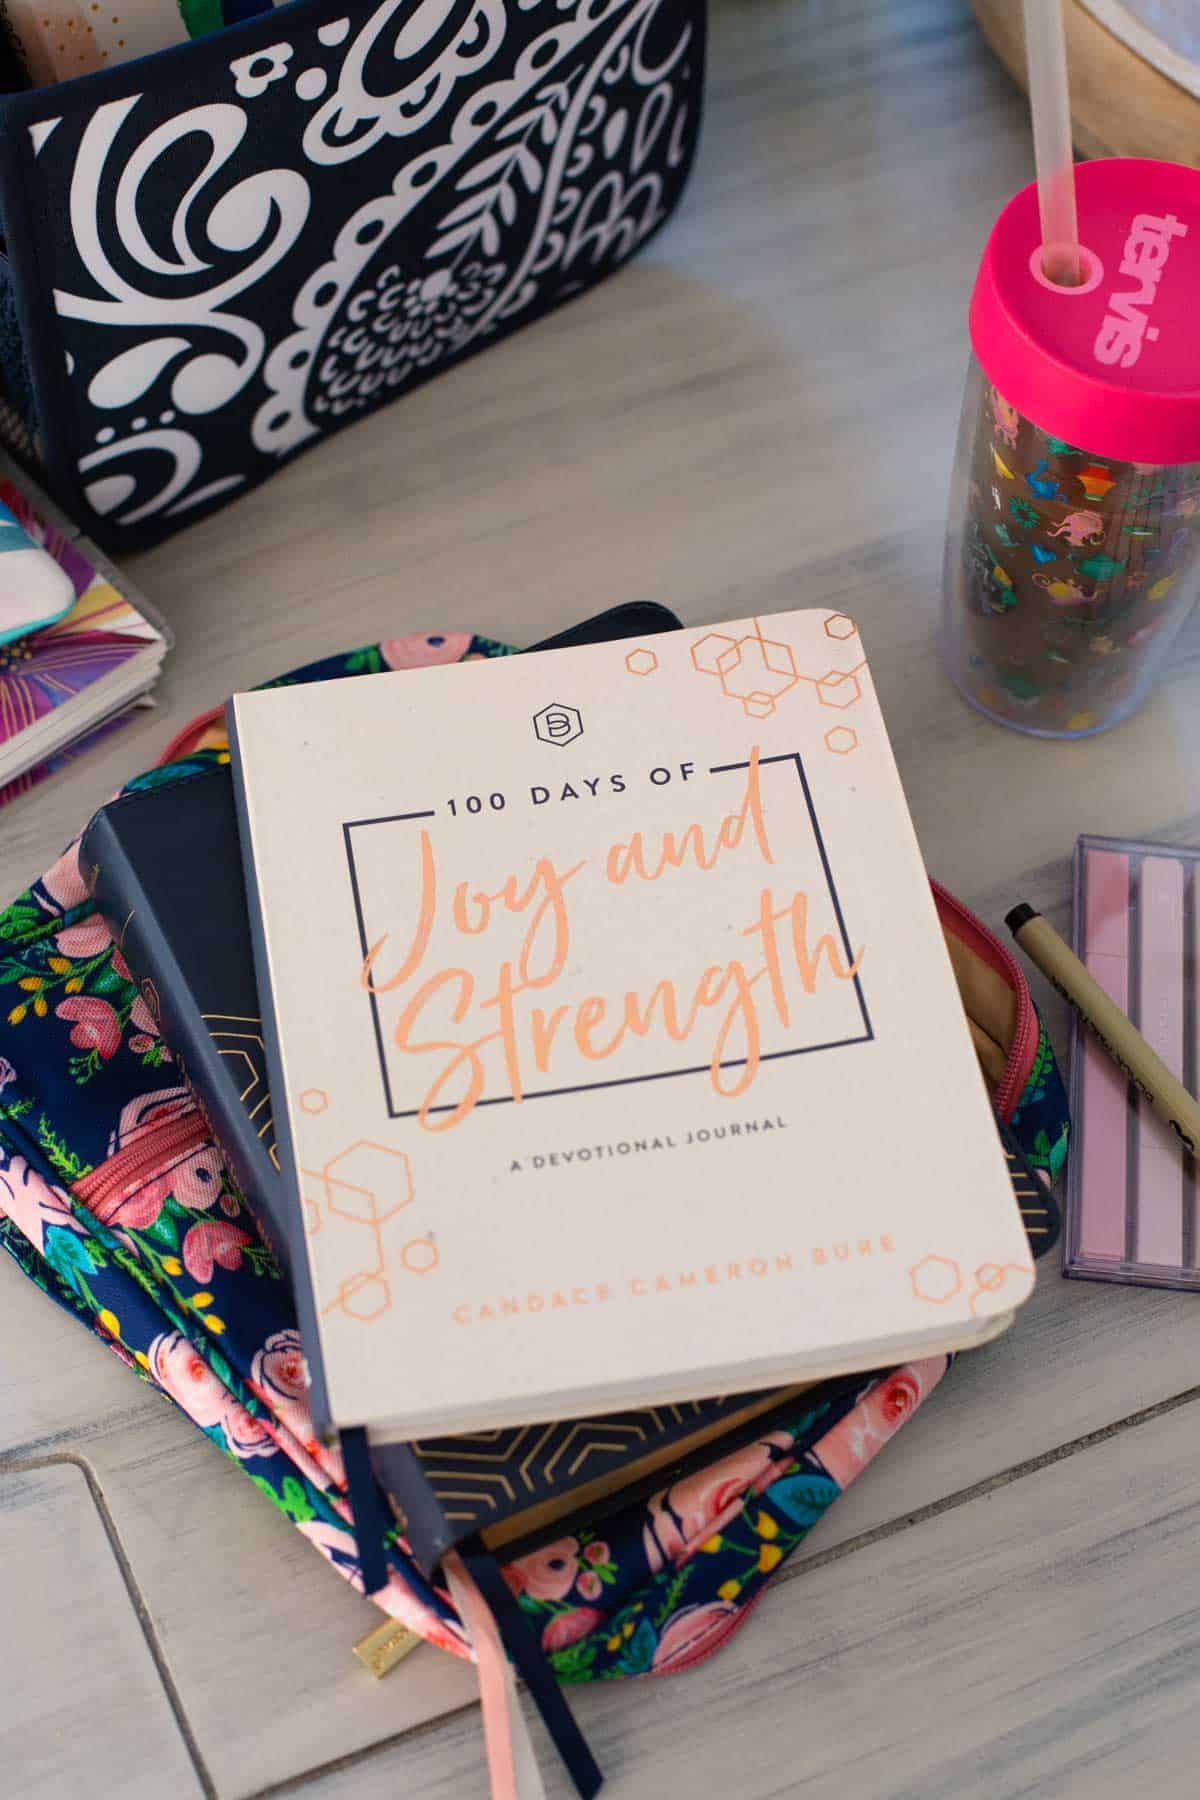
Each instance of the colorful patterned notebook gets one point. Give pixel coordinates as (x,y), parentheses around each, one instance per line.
(616,1053)
(62,688)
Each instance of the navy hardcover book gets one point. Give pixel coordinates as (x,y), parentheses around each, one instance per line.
(164,867)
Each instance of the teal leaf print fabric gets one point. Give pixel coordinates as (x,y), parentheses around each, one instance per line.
(1040,1119)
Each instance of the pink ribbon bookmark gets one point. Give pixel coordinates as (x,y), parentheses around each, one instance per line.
(512,1760)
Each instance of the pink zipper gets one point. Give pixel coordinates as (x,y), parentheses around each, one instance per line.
(707,1652)
(200,724)
(1023,1050)
(156,1149)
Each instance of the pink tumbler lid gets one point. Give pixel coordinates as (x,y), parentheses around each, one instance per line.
(1112,366)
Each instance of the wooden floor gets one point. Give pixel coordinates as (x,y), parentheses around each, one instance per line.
(759,414)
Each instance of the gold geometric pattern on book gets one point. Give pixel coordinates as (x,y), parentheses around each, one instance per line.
(489,1470)
(237,1039)
(1031,1198)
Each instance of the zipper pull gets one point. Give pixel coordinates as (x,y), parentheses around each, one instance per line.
(386,1646)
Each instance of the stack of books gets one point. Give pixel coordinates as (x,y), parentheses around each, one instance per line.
(580,1027)
(64,686)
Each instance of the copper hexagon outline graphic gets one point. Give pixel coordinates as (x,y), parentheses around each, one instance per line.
(374,1272)
(716,654)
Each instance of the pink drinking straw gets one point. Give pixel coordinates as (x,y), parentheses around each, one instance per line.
(1049,100)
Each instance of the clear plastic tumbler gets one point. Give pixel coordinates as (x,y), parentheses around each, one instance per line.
(1073,537)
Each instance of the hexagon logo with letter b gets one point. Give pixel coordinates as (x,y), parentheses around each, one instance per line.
(558,724)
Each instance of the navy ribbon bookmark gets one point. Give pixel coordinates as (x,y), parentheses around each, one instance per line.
(521,1642)
(372,1519)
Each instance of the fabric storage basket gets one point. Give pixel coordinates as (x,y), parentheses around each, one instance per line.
(219,254)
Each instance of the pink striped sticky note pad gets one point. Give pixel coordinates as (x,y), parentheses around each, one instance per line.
(1132,1194)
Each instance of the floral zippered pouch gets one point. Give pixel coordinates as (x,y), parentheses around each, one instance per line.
(115,1200)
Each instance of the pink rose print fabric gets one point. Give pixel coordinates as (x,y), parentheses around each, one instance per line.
(32,1204)
(279,1379)
(423,652)
(94,1024)
(850,1446)
(694,1634)
(182,1373)
(212,1242)
(683,1517)
(566,1628)
(62,886)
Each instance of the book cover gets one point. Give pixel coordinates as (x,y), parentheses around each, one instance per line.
(617,1054)
(163,866)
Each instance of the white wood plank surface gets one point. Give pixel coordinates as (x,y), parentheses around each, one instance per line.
(79,1681)
(1043,1639)
(760,413)
(257,1629)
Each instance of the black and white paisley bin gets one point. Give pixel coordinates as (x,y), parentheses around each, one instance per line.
(217,255)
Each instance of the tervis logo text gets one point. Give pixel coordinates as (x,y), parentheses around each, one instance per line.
(1127,322)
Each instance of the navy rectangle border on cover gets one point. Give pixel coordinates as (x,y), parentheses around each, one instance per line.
(863,1037)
